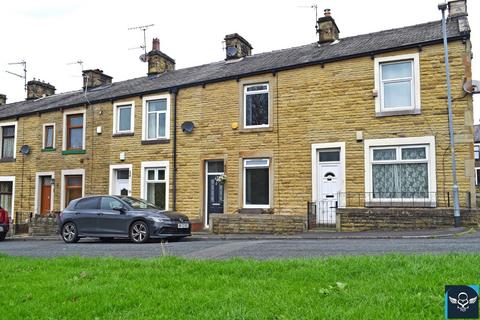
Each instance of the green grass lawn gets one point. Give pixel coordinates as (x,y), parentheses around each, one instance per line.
(366,287)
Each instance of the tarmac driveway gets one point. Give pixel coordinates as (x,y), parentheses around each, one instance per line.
(256,249)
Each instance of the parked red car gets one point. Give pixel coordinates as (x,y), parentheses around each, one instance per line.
(4,225)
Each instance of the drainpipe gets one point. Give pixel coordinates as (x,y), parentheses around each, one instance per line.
(456,206)
(174,91)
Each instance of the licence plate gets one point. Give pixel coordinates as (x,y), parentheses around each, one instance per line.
(1,229)
(183,226)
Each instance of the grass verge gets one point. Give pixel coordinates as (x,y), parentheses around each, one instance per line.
(365,287)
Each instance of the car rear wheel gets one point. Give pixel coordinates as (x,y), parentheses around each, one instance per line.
(70,233)
(139,232)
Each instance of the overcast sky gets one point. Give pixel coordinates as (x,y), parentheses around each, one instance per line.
(50,34)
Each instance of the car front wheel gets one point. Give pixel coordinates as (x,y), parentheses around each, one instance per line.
(2,236)
(69,232)
(139,232)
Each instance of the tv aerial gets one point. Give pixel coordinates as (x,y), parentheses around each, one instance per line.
(314,7)
(24,76)
(79,62)
(143,57)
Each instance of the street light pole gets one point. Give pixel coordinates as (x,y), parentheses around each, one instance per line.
(456,206)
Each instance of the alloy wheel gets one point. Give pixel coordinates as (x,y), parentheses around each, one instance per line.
(69,233)
(139,232)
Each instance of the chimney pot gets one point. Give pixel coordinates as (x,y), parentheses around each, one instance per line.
(94,78)
(37,89)
(3,99)
(327,28)
(237,47)
(158,62)
(156,44)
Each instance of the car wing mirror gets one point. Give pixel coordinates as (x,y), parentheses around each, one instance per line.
(119,209)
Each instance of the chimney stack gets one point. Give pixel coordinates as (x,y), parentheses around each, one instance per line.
(457,8)
(237,47)
(327,28)
(158,62)
(3,99)
(94,78)
(37,89)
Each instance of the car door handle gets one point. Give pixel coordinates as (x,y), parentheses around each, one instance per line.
(77,213)
(100,214)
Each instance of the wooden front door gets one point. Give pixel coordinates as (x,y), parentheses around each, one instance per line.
(45,194)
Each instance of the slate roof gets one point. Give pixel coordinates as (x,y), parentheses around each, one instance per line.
(310,54)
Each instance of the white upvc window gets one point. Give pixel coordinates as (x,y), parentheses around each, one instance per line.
(154,180)
(397,83)
(256,106)
(49,135)
(123,117)
(400,169)
(156,117)
(8,140)
(256,183)
(476,150)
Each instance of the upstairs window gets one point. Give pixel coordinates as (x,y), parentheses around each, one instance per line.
(156,118)
(256,113)
(397,83)
(8,142)
(48,136)
(75,132)
(476,150)
(123,118)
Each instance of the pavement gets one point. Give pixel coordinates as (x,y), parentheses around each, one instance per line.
(306,245)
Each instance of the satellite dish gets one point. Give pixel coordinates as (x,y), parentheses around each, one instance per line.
(188,126)
(231,51)
(25,149)
(143,57)
(471,86)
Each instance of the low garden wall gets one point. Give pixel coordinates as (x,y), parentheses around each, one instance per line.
(256,223)
(362,219)
(45,225)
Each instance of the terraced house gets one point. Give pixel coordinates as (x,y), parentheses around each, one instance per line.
(359,122)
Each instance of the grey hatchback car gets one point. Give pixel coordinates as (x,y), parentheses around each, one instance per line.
(108,217)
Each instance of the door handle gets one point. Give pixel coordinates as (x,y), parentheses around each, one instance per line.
(99,214)
(77,213)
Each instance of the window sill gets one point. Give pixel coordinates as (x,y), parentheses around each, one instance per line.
(123,134)
(64,152)
(7,160)
(261,129)
(156,141)
(48,149)
(397,113)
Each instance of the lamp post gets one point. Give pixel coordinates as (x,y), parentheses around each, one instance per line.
(456,206)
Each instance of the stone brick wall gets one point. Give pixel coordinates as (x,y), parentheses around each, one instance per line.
(256,223)
(362,219)
(316,104)
(43,225)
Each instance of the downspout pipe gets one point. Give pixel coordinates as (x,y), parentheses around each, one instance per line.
(456,205)
(174,92)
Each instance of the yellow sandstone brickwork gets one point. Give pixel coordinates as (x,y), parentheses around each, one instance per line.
(315,104)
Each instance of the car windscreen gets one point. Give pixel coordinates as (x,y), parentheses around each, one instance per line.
(139,203)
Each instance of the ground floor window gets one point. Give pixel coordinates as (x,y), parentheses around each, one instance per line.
(6,195)
(73,188)
(156,186)
(256,183)
(400,172)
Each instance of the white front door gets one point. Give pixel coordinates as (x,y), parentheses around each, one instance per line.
(329,182)
(121,182)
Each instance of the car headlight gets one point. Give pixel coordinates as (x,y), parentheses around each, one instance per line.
(158,219)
